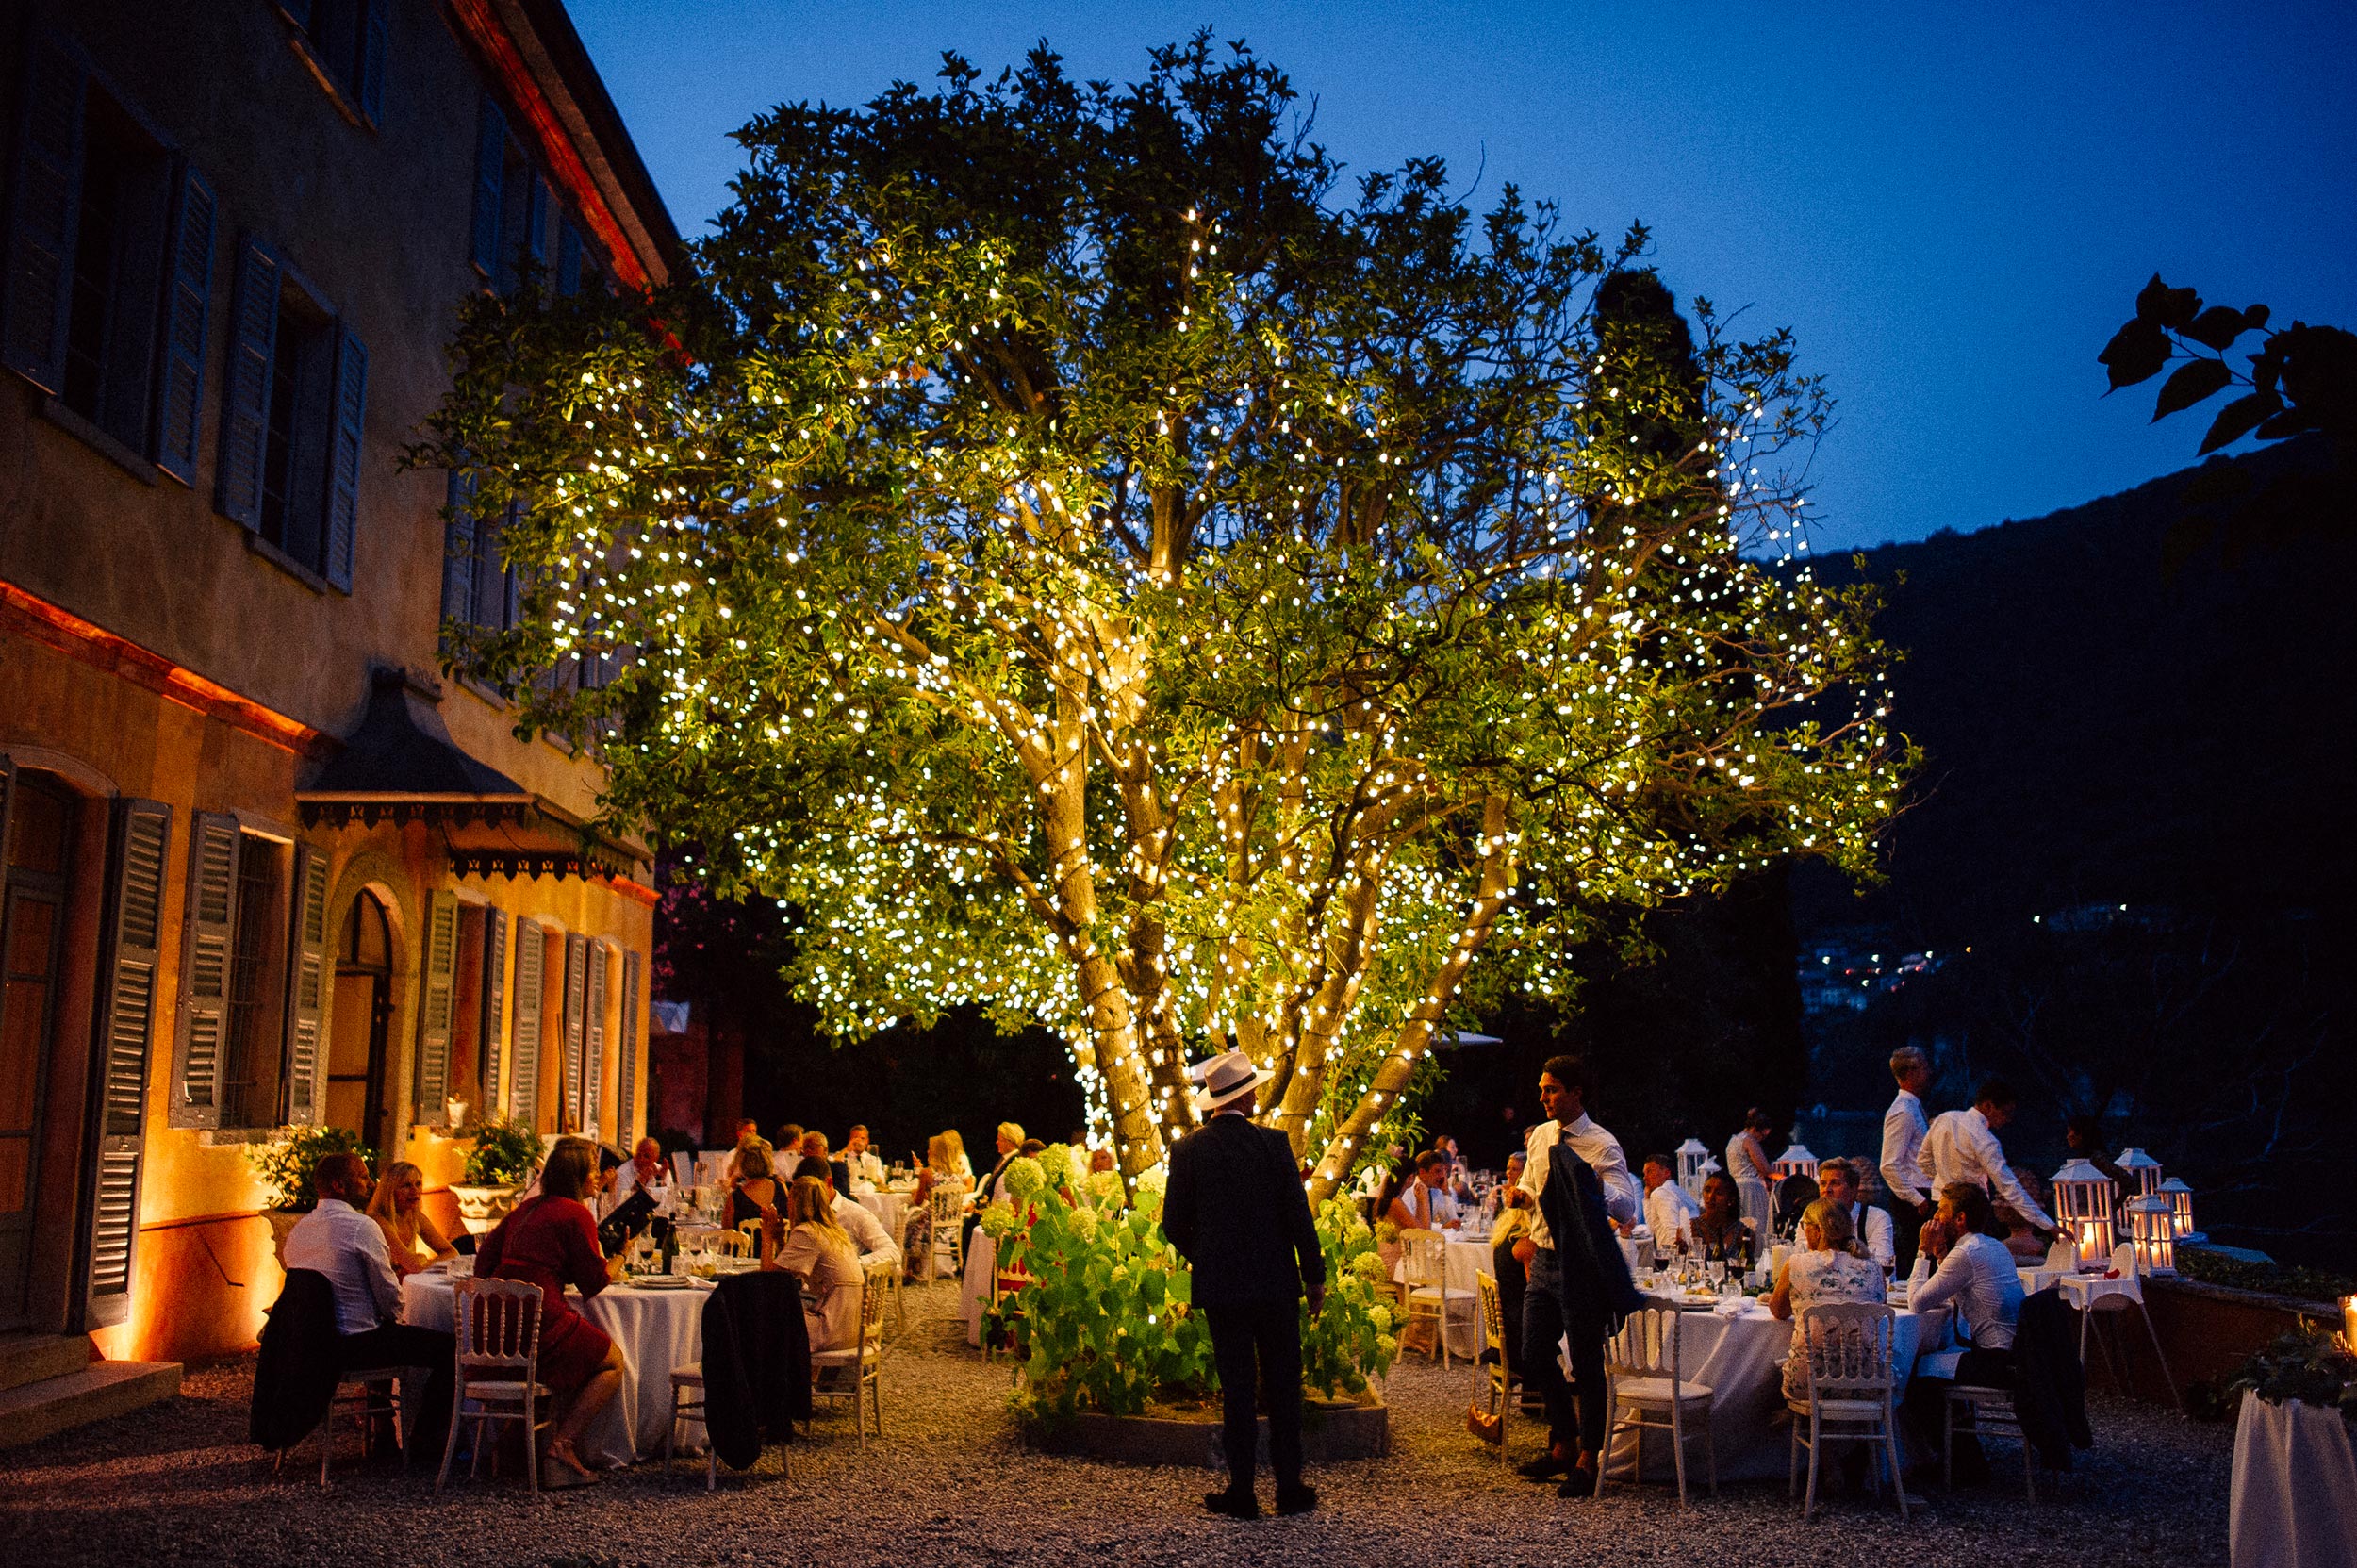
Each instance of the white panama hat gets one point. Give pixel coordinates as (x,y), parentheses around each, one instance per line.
(1226,1077)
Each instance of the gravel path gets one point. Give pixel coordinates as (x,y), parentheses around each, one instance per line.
(949,1485)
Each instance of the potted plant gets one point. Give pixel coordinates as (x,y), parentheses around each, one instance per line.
(285,1162)
(498,1166)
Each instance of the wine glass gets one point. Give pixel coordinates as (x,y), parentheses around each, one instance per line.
(1717,1269)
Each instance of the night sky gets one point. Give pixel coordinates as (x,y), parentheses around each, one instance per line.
(1952,206)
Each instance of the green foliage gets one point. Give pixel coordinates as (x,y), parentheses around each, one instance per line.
(503,1155)
(2305,1285)
(1093,566)
(286,1161)
(1105,1323)
(2311,1364)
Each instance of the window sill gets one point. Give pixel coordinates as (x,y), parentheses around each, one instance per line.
(138,465)
(287,562)
(299,40)
(238,1137)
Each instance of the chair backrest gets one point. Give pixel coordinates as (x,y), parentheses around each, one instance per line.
(1426,1256)
(499,1325)
(875,1295)
(2064,1255)
(2127,1288)
(1493,1317)
(736,1243)
(949,1206)
(1847,1348)
(751,1228)
(684,1169)
(1647,1344)
(2124,1261)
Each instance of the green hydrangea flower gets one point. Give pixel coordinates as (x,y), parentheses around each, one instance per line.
(1055,1163)
(1368,1266)
(1000,1221)
(1025,1179)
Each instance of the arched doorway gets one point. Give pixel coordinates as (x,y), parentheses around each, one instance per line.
(361,1023)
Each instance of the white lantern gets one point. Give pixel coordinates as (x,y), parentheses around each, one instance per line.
(2153,1231)
(2179,1209)
(1796,1161)
(2083,1196)
(1692,1158)
(2143,1171)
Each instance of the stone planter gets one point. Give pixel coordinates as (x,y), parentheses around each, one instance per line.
(282,1222)
(480,1209)
(1331,1430)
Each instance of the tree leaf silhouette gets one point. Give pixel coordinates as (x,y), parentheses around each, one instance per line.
(2136,353)
(2192,382)
(2238,419)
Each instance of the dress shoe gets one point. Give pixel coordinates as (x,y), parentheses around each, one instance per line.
(1546,1467)
(1235,1504)
(1296,1499)
(1579,1484)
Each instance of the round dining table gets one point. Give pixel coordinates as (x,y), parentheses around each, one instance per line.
(658,1327)
(1467,1257)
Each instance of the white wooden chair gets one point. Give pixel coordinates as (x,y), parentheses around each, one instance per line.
(498,1371)
(1423,1282)
(1992,1412)
(740,1243)
(899,1275)
(1646,1392)
(1847,1346)
(948,1211)
(1496,1380)
(864,1359)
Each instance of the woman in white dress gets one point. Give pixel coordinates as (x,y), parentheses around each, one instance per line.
(1830,1267)
(1747,1164)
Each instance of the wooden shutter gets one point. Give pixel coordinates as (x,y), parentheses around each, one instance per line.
(593,1044)
(306,991)
(494,1000)
(576,974)
(539,206)
(375,23)
(126,1020)
(626,1086)
(490,163)
(343,457)
(523,1093)
(435,1000)
(44,212)
(245,388)
(568,258)
(188,296)
(201,1044)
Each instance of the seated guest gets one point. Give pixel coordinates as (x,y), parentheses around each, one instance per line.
(338,1239)
(2023,1240)
(1719,1230)
(1032,1148)
(818,1161)
(1416,1205)
(866,1232)
(817,1251)
(647,1171)
(1829,1265)
(411,1237)
(945,1156)
(608,1185)
(1793,1195)
(1506,1265)
(551,1240)
(747,1130)
(1459,1185)
(785,1159)
(1100,1159)
(1668,1206)
(756,1189)
(1838,1184)
(866,1164)
(1975,1278)
(1501,1195)
(988,1191)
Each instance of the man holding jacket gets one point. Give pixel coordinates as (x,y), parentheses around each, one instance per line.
(1236,1212)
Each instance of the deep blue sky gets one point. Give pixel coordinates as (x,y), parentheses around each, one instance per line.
(1952,205)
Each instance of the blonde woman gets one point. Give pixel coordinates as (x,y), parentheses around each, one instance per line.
(754,1192)
(1830,1265)
(820,1253)
(946,1155)
(399,1211)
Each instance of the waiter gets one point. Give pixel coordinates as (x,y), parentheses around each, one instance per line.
(1236,1212)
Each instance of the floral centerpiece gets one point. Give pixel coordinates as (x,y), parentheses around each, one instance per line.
(1103,1320)
(286,1164)
(497,1168)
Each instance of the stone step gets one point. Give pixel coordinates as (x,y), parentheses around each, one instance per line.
(30,1357)
(37,1411)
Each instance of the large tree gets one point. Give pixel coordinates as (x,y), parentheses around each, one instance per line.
(1087,563)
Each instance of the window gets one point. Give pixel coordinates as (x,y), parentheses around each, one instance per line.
(252,1060)
(479,588)
(252,955)
(294,407)
(109,266)
(343,42)
(514,213)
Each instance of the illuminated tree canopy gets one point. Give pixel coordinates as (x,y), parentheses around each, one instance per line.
(1091,564)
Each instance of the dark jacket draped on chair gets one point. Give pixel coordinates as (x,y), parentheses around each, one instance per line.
(756,1364)
(1596,1282)
(2049,1382)
(295,1375)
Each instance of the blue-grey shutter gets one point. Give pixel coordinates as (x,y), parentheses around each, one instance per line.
(436,1002)
(306,991)
(458,550)
(127,970)
(375,25)
(490,161)
(343,461)
(568,258)
(593,1044)
(494,1002)
(524,1091)
(245,388)
(188,298)
(626,1086)
(209,930)
(44,213)
(539,204)
(576,975)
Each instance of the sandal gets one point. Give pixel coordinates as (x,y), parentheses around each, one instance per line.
(567,1470)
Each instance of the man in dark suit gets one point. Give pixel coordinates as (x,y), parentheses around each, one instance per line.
(1236,1212)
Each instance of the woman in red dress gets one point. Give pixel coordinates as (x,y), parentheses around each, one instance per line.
(551,1240)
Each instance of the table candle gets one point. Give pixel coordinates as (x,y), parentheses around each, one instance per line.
(2348,1320)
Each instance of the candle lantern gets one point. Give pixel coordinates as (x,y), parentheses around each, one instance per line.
(2179,1209)
(1692,1157)
(2348,1320)
(2083,1208)
(1796,1161)
(2143,1171)
(2153,1232)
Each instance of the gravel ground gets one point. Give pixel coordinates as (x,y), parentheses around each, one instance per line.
(950,1485)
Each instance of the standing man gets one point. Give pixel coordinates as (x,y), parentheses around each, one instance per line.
(1903,1127)
(1236,1212)
(1570,1291)
(1962,1146)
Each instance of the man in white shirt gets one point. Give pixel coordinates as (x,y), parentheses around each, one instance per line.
(339,1241)
(866,1164)
(866,1230)
(1976,1278)
(1836,1182)
(1903,1126)
(1962,1146)
(1669,1206)
(647,1169)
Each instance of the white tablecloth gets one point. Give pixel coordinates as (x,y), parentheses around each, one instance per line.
(657,1329)
(890,1208)
(981,1257)
(1741,1358)
(1467,1257)
(2294,1503)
